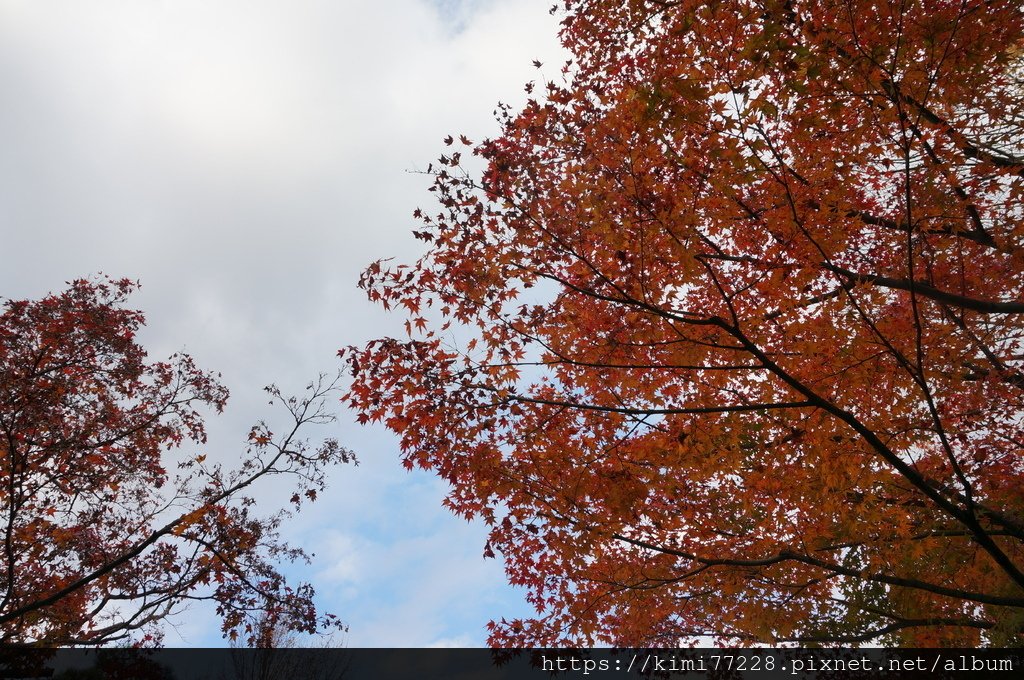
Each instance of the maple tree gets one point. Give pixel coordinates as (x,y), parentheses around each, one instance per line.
(98,541)
(726,338)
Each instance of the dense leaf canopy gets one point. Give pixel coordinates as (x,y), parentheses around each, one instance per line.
(745,288)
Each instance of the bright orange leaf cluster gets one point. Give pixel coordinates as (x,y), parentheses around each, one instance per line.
(98,542)
(746,297)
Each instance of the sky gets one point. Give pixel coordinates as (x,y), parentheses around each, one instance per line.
(245,160)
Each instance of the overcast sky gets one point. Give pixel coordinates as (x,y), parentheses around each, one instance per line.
(245,160)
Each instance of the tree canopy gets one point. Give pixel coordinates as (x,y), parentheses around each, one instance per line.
(726,339)
(98,541)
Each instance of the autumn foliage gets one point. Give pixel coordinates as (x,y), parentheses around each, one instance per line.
(726,339)
(99,541)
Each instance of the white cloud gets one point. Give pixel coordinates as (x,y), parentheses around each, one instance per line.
(459,642)
(246,160)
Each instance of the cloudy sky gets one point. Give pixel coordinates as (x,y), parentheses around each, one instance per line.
(245,160)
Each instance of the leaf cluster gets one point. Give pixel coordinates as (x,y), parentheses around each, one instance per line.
(99,541)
